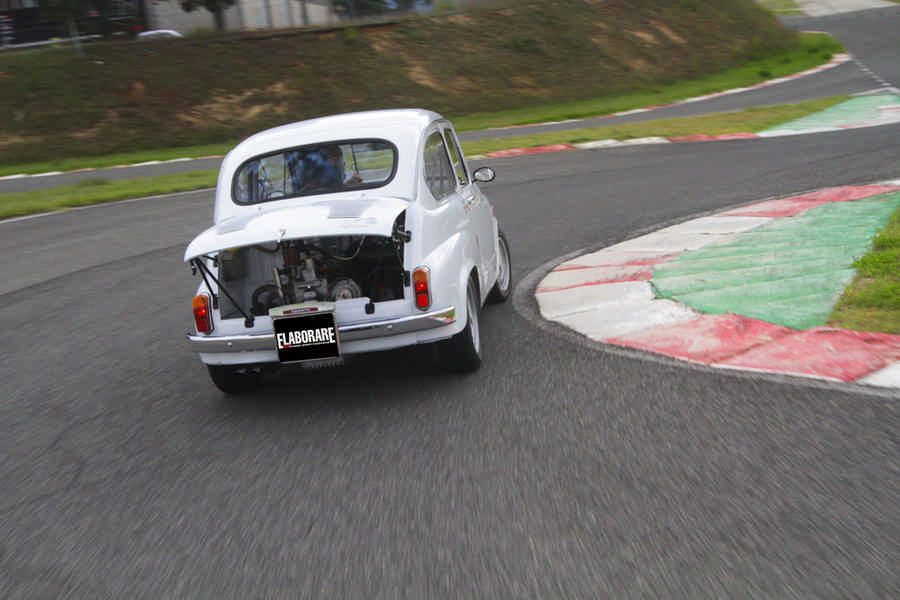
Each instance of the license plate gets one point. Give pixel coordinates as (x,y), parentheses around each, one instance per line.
(311,336)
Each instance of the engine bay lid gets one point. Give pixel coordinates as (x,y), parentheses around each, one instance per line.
(335,216)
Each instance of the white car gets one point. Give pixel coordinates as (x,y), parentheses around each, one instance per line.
(158,34)
(345,234)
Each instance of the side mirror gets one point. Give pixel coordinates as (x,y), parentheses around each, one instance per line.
(484,174)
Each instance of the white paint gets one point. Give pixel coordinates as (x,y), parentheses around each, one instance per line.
(634,111)
(887,377)
(784,132)
(645,140)
(717,225)
(669,242)
(597,144)
(557,304)
(818,8)
(622,318)
(16,176)
(594,276)
(611,256)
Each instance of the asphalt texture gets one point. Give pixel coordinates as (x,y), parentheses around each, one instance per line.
(561,469)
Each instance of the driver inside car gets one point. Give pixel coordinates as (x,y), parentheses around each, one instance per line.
(319,169)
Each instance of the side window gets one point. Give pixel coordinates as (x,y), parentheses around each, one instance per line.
(455,157)
(439,175)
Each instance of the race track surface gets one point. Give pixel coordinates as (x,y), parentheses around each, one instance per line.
(560,469)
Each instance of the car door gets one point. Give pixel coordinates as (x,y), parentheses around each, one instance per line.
(445,215)
(477,206)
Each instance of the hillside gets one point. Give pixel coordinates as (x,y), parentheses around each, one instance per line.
(127,95)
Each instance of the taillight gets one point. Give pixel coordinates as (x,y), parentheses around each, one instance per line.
(202,314)
(420,288)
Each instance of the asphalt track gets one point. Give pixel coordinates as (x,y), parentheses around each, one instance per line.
(560,469)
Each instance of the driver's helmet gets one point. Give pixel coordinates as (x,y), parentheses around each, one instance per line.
(325,166)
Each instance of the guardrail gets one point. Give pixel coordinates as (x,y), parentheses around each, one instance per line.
(51,42)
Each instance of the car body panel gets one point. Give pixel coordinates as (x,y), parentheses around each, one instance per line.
(304,217)
(454,236)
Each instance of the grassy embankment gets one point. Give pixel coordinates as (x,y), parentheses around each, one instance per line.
(637,68)
(814,49)
(98,190)
(782,7)
(872,301)
(125,97)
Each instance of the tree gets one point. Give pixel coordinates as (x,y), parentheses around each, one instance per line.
(216,7)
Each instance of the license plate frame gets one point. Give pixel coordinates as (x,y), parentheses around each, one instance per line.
(306,337)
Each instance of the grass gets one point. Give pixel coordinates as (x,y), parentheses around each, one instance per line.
(95,191)
(751,120)
(127,158)
(122,97)
(872,301)
(816,49)
(782,7)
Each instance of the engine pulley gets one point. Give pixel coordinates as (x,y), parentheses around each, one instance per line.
(344,289)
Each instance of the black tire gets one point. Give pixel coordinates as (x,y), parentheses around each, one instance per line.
(235,380)
(503,285)
(462,352)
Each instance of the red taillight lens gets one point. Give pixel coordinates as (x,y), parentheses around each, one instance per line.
(420,288)
(202,314)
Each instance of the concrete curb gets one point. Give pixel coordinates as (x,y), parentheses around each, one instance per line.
(609,297)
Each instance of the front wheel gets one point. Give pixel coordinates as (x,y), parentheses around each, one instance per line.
(235,380)
(500,291)
(462,352)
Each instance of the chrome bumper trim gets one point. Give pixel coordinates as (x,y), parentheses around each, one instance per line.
(348,332)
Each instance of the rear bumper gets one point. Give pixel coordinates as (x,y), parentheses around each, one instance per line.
(348,332)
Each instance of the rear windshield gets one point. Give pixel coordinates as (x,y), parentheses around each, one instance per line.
(315,169)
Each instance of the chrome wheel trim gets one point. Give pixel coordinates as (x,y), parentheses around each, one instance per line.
(503,269)
(472,308)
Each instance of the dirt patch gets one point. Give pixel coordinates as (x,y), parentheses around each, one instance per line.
(645,36)
(15,140)
(460,19)
(241,108)
(137,91)
(664,29)
(382,42)
(418,74)
(638,64)
(110,119)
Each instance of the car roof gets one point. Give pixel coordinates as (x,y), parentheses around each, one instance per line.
(401,127)
(396,125)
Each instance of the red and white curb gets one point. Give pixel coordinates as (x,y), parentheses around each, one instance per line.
(888,114)
(607,296)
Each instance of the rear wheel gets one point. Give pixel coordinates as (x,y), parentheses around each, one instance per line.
(462,352)
(235,380)
(500,291)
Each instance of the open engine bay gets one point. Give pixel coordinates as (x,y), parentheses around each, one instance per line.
(330,268)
